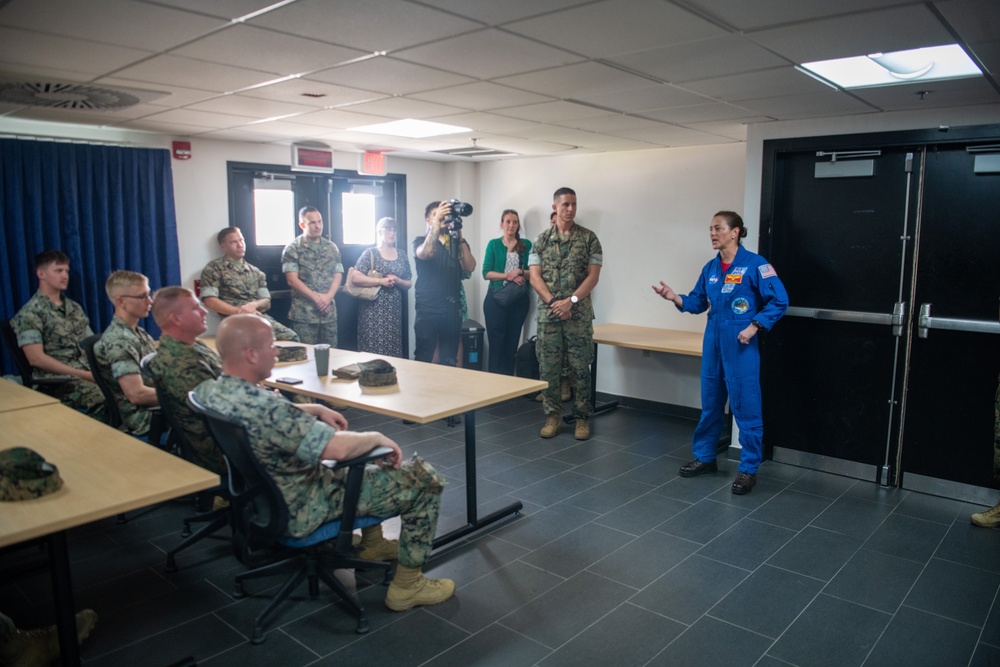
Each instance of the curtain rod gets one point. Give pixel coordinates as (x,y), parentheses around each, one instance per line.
(68,140)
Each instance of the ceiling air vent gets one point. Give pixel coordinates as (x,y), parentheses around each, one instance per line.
(475,151)
(65,95)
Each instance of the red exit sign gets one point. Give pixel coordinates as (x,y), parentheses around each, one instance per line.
(373,164)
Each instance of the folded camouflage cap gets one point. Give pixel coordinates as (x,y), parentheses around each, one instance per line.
(24,475)
(376,373)
(291,353)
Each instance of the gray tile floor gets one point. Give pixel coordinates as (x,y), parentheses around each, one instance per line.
(614,561)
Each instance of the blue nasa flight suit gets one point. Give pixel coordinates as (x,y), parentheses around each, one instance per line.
(748,291)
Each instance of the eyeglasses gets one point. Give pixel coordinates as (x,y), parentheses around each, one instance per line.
(144,295)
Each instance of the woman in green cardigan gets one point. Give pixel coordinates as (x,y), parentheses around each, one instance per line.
(505,261)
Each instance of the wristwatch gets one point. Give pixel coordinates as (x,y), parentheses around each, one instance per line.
(574,299)
(757,324)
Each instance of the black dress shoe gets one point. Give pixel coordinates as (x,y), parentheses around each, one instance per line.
(744,483)
(695,468)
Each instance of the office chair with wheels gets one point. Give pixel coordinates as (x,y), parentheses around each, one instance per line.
(24,367)
(261,517)
(213,519)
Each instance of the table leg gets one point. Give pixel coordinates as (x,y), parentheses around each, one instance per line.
(473,522)
(62,591)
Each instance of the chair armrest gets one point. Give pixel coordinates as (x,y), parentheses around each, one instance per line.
(373,454)
(52,381)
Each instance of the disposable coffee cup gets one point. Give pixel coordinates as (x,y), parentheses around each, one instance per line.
(322,353)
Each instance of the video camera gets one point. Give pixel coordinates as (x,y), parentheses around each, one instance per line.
(459,209)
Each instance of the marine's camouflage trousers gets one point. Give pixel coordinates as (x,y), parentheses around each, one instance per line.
(78,394)
(574,341)
(317,332)
(281,332)
(414,493)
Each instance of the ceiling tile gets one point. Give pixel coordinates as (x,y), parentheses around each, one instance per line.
(238,134)
(403,107)
(484,122)
(718,56)
(238,105)
(311,93)
(976,20)
(672,135)
(86,117)
(369,25)
(176,96)
(783,81)
(284,129)
(335,118)
(482,95)
(227,9)
(856,34)
(24,48)
(267,51)
(599,29)
(815,105)
(174,70)
(487,54)
(748,15)
(611,124)
(495,13)
(937,94)
(199,118)
(572,81)
(713,111)
(121,22)
(168,128)
(389,76)
(734,130)
(656,96)
(548,112)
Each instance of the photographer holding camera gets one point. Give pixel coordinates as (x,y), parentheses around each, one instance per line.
(442,255)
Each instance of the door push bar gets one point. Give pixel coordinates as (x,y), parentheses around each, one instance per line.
(925,322)
(894,319)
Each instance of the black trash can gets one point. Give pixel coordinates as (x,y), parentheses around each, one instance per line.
(473,352)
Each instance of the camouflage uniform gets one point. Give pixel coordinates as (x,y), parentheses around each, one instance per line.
(289,443)
(237,283)
(564,263)
(60,329)
(179,368)
(316,262)
(118,353)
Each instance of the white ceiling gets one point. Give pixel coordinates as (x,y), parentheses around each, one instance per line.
(536,77)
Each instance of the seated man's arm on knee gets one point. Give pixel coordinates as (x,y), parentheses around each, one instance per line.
(35,353)
(136,392)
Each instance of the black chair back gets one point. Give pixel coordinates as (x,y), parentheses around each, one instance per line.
(178,436)
(112,417)
(259,508)
(16,353)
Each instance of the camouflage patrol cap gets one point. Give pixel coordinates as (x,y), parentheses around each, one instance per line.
(291,353)
(377,373)
(24,475)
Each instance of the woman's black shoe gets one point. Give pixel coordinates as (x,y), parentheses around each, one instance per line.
(695,468)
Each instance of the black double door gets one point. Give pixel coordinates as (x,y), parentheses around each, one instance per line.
(885,367)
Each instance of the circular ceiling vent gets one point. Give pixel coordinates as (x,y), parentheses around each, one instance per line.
(65,96)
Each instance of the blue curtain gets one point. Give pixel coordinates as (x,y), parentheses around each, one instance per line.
(107,207)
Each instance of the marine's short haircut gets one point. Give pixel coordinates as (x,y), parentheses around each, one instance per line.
(221,236)
(51,256)
(164,301)
(121,280)
(563,191)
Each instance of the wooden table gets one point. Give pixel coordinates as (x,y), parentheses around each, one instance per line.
(423,393)
(16,397)
(104,472)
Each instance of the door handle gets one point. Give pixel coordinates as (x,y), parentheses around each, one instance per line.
(925,322)
(858,317)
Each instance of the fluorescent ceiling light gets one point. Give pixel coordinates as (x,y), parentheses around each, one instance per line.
(414,129)
(888,69)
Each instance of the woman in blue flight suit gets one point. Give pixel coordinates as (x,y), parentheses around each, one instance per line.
(743,295)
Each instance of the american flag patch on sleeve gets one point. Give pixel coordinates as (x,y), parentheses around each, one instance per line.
(767,271)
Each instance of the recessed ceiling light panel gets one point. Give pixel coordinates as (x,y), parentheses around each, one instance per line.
(932,63)
(414,129)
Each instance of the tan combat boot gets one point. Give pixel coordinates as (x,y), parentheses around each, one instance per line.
(988,519)
(40,648)
(376,547)
(582,431)
(410,588)
(553,424)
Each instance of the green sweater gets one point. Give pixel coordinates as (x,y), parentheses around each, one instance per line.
(495,259)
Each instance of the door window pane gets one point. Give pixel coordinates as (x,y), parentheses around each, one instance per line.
(359,218)
(274,212)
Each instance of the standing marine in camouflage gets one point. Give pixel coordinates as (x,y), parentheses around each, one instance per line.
(313,270)
(290,440)
(231,285)
(182,362)
(49,329)
(565,265)
(123,345)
